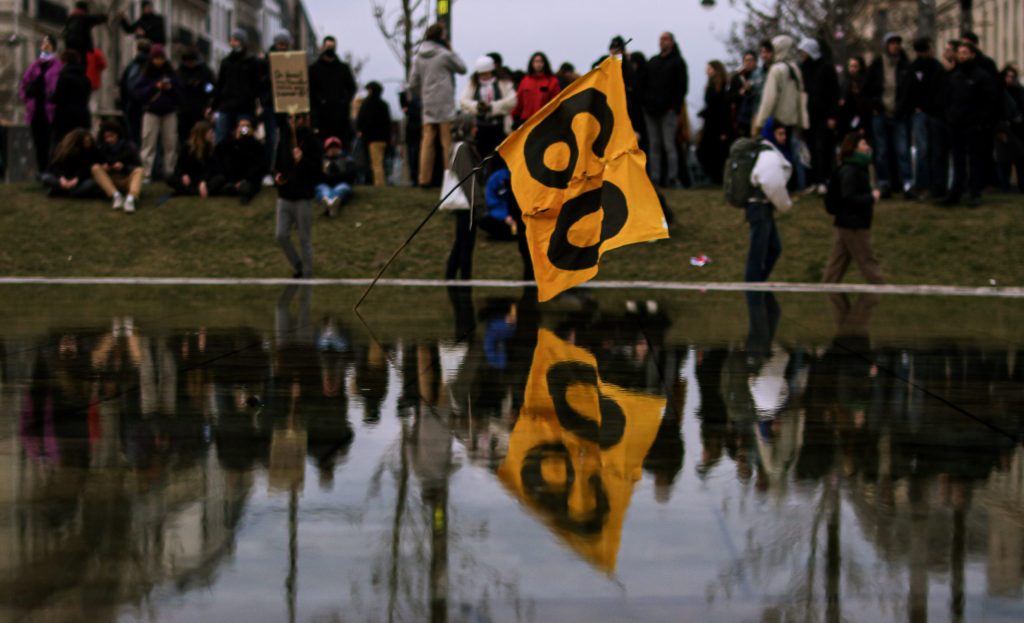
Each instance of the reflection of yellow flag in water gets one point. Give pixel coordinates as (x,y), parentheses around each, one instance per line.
(578,448)
(580,179)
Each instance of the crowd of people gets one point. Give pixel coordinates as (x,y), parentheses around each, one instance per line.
(943,126)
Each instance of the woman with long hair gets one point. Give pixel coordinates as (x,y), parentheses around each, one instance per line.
(70,171)
(465,158)
(854,105)
(195,163)
(716,135)
(536,89)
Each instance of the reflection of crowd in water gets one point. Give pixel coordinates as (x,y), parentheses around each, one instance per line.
(165,406)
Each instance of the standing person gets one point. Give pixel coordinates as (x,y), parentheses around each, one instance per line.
(238,84)
(331,89)
(984,61)
(150,24)
(742,96)
(117,171)
(465,158)
(822,86)
(195,166)
(128,102)
(70,173)
(766,51)
(78,29)
(240,164)
(374,128)
(926,105)
(38,85)
(888,86)
(159,90)
(296,175)
(492,100)
(71,97)
(781,96)
(974,107)
(197,84)
(433,79)
(412,108)
(339,174)
(855,106)
(769,178)
(854,210)
(536,89)
(717,132)
(1010,133)
(665,88)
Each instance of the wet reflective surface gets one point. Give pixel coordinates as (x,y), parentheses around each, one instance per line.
(260,454)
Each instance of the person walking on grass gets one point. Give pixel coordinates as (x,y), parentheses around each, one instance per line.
(118,170)
(159,90)
(769,178)
(296,175)
(854,208)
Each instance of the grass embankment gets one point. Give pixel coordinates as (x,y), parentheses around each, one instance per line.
(916,242)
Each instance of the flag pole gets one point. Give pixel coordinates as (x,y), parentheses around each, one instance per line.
(416,231)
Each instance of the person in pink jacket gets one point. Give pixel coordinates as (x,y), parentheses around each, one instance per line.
(536,89)
(36,91)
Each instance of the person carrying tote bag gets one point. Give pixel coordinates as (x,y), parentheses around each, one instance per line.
(465,199)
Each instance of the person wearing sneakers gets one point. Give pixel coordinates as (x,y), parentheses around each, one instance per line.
(339,174)
(118,170)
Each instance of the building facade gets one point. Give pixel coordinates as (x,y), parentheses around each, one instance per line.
(205,24)
(998,23)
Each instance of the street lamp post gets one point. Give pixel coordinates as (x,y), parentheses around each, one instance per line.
(444,16)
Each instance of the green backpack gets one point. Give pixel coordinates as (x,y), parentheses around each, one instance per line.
(738,167)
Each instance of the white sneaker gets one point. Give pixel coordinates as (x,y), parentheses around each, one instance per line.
(129,205)
(118,202)
(268,180)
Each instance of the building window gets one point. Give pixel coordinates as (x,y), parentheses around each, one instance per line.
(51,12)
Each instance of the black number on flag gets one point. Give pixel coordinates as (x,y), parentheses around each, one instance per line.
(557,128)
(613,422)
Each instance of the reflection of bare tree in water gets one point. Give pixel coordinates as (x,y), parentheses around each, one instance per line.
(425,568)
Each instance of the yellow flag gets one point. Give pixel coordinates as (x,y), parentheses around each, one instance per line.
(581,181)
(578,447)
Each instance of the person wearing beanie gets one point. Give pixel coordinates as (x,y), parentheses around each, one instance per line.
(150,24)
(822,85)
(888,87)
(197,83)
(492,100)
(159,90)
(331,89)
(433,80)
(238,86)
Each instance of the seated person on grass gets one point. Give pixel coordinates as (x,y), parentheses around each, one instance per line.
(118,170)
(497,220)
(195,164)
(70,171)
(241,164)
(339,173)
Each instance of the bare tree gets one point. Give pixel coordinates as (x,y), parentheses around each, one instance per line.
(402,27)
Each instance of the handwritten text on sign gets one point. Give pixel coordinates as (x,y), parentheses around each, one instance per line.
(290,82)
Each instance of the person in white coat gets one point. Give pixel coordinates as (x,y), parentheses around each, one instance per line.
(769,178)
(492,100)
(433,79)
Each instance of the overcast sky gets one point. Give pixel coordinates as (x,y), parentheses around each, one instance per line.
(577,31)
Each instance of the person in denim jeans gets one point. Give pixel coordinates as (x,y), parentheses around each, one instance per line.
(926,102)
(888,87)
(769,178)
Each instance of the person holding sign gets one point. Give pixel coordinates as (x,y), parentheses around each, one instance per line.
(296,175)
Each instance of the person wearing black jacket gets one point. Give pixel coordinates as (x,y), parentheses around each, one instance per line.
(118,170)
(665,88)
(238,86)
(331,88)
(197,82)
(127,101)
(71,97)
(159,90)
(926,103)
(888,87)
(296,175)
(374,128)
(854,213)
(822,86)
(78,29)
(716,134)
(239,163)
(150,24)
(973,109)
(742,97)
(272,120)
(1010,132)
(70,171)
(855,107)
(412,108)
(196,163)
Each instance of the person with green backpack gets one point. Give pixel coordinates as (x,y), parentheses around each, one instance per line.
(851,199)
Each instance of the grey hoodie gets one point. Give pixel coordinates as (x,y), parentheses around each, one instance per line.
(433,77)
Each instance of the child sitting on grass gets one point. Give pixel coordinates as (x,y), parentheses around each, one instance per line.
(339,173)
